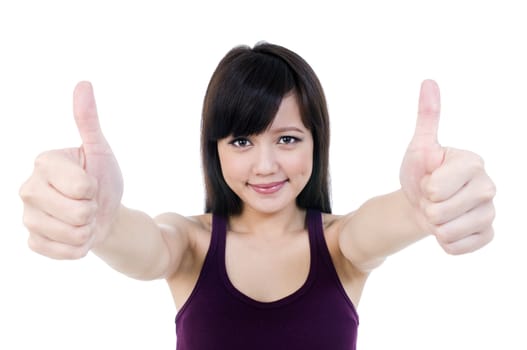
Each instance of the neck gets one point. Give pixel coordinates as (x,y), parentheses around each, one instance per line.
(277,224)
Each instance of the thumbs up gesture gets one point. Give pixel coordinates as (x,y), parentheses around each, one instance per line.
(449,188)
(71,198)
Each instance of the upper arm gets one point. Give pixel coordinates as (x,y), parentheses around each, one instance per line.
(177,233)
(382,226)
(355,245)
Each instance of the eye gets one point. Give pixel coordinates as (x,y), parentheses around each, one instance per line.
(287,140)
(240,142)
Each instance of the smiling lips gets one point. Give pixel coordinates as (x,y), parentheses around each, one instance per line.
(268,188)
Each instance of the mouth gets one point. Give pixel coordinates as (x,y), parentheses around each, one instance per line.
(268,188)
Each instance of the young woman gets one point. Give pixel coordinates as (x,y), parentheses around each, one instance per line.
(268,266)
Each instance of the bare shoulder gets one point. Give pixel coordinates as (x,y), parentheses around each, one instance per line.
(336,222)
(336,229)
(351,234)
(330,220)
(333,228)
(187,237)
(193,228)
(200,232)
(184,222)
(332,225)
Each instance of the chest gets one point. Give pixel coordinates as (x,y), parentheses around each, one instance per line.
(267,271)
(268,295)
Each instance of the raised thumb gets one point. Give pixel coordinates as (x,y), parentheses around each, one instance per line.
(425,137)
(86,118)
(429,109)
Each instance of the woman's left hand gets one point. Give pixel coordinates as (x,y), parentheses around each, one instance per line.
(449,188)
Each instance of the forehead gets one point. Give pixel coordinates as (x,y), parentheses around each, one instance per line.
(288,114)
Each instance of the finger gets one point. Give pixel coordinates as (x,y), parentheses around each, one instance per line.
(85,112)
(39,223)
(76,212)
(470,243)
(478,219)
(479,190)
(62,171)
(458,168)
(57,250)
(429,108)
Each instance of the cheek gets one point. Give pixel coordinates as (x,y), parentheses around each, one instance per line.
(232,167)
(300,164)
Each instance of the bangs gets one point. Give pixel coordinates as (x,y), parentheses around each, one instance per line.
(249,97)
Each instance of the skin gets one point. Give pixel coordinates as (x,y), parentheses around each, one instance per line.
(282,155)
(72,205)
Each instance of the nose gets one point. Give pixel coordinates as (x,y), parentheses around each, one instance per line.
(265,162)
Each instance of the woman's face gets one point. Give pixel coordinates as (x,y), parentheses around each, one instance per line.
(269,170)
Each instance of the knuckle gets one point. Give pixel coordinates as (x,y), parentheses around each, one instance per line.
(432,193)
(79,253)
(68,253)
(491,215)
(85,188)
(82,235)
(31,243)
(35,244)
(26,191)
(432,214)
(489,235)
(451,249)
(432,190)
(489,192)
(29,221)
(65,252)
(83,214)
(480,161)
(484,215)
(23,191)
(42,160)
(442,236)
(476,163)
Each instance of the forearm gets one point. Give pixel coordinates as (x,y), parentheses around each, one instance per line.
(134,246)
(382,226)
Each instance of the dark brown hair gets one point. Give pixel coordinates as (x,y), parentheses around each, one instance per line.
(242,99)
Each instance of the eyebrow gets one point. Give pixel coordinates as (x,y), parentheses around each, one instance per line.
(287,128)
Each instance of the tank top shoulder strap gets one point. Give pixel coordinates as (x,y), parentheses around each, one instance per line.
(316,227)
(217,241)
(209,264)
(316,230)
(219,226)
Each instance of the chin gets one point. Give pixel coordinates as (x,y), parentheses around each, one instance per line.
(269,208)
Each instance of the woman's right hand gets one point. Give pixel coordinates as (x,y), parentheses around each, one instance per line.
(72,197)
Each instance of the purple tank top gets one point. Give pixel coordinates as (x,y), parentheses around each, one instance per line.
(319,315)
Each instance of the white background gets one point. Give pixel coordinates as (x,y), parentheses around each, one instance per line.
(150,63)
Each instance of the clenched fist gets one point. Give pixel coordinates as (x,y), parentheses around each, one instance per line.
(72,196)
(449,188)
